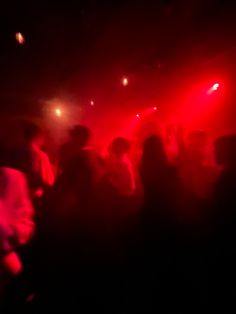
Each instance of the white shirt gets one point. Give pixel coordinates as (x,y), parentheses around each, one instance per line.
(16,210)
(42,166)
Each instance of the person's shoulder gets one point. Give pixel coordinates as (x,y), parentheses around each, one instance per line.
(13,174)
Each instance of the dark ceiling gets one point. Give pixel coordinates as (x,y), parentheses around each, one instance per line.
(80,50)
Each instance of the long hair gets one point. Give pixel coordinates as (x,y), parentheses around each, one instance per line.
(154,153)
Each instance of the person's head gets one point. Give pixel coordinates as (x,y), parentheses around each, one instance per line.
(33,134)
(81,135)
(119,146)
(225,150)
(154,151)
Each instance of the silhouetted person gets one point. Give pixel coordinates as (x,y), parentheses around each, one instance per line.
(197,176)
(80,173)
(16,224)
(160,184)
(119,194)
(81,166)
(66,247)
(16,217)
(225,188)
(33,161)
(223,251)
(197,173)
(159,180)
(119,170)
(79,138)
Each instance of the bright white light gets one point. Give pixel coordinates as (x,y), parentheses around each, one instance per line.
(213,89)
(215,86)
(58,112)
(125,81)
(155,108)
(20,38)
(137,115)
(91,103)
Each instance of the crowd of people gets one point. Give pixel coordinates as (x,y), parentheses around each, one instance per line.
(105,233)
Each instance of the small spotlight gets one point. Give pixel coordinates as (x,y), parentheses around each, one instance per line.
(58,112)
(91,103)
(137,115)
(20,38)
(213,88)
(125,81)
(216,86)
(154,108)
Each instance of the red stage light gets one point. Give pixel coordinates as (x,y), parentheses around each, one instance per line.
(20,38)
(215,86)
(154,108)
(137,115)
(125,81)
(58,112)
(92,103)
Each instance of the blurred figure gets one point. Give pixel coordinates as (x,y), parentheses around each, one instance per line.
(79,138)
(74,196)
(225,187)
(16,220)
(119,168)
(160,182)
(120,200)
(71,215)
(16,215)
(158,177)
(223,251)
(197,176)
(33,161)
(197,173)
(81,166)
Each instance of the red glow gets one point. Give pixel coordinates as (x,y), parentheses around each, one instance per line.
(199,102)
(125,81)
(20,38)
(154,108)
(137,115)
(91,103)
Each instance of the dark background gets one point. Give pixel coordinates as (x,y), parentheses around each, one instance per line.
(78,51)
